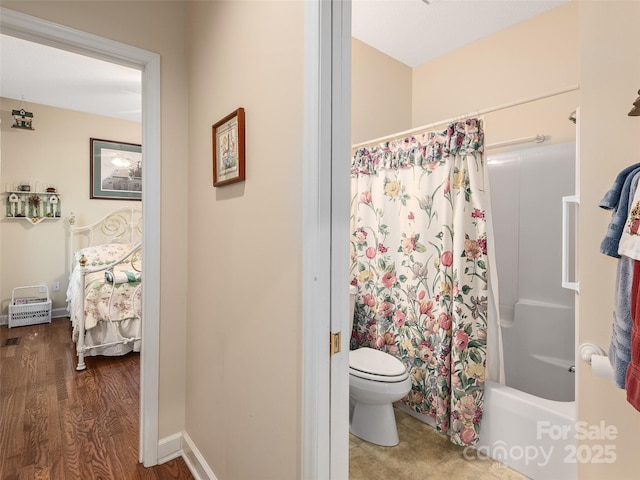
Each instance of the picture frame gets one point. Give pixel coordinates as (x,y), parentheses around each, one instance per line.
(116,170)
(229,149)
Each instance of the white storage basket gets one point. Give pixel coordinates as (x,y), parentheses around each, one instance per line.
(25,310)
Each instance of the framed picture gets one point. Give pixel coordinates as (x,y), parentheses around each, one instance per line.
(228,149)
(116,170)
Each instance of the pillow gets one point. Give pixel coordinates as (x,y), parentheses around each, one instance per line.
(104,254)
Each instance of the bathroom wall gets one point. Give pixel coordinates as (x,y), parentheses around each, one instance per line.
(374,113)
(515,64)
(56,152)
(609,81)
(157,26)
(511,65)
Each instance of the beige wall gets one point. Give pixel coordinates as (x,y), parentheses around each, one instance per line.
(160,27)
(244,364)
(515,64)
(374,115)
(56,153)
(609,80)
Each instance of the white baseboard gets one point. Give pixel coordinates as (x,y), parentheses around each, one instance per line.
(55,313)
(59,313)
(195,461)
(169,447)
(180,444)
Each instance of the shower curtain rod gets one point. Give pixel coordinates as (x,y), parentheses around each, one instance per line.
(469,115)
(538,138)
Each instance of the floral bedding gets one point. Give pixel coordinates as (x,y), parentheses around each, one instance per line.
(104,301)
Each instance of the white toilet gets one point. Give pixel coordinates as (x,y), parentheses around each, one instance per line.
(376,380)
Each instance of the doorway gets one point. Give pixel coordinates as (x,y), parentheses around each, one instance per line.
(37,30)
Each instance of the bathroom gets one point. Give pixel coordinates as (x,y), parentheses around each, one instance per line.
(417,100)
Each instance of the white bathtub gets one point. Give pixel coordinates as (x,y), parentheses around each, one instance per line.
(529,424)
(532,435)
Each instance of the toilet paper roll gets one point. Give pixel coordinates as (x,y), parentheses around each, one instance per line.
(601,367)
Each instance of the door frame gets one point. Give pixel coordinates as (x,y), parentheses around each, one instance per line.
(48,33)
(327,145)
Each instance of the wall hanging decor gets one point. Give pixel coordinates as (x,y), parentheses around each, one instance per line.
(116,170)
(34,206)
(21,118)
(228,149)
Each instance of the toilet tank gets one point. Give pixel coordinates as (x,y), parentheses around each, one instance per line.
(353,291)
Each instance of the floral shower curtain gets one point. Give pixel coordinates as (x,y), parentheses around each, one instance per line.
(419,259)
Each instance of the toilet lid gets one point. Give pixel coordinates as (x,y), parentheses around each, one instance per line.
(367,362)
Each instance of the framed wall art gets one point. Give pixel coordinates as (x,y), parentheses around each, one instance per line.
(228,149)
(116,170)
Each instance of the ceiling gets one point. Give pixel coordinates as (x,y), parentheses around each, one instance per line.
(416,31)
(49,76)
(411,31)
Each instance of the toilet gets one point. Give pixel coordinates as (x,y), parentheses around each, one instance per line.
(376,380)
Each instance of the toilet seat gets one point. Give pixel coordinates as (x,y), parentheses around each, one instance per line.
(376,365)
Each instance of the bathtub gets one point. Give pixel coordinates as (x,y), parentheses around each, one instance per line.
(532,435)
(529,423)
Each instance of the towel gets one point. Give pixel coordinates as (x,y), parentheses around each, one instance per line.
(630,238)
(611,241)
(620,347)
(633,371)
(122,276)
(612,197)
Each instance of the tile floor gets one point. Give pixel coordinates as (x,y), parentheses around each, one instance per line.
(422,454)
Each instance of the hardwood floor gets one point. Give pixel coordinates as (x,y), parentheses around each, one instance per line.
(57,423)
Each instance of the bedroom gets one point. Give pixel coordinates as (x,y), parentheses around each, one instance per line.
(56,153)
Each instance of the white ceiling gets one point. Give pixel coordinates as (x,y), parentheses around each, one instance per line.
(411,31)
(416,31)
(49,76)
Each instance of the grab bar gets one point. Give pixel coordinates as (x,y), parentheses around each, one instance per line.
(565,242)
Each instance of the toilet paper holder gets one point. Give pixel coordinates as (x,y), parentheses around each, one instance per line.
(588,350)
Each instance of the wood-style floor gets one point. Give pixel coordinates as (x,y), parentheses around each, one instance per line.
(57,423)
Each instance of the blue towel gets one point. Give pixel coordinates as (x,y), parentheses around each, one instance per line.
(611,241)
(620,347)
(612,197)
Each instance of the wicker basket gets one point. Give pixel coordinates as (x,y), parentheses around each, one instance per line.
(25,310)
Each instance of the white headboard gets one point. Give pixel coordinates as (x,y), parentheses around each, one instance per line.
(120,226)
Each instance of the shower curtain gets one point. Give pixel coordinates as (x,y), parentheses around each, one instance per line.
(419,259)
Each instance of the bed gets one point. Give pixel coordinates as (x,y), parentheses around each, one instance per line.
(105,284)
